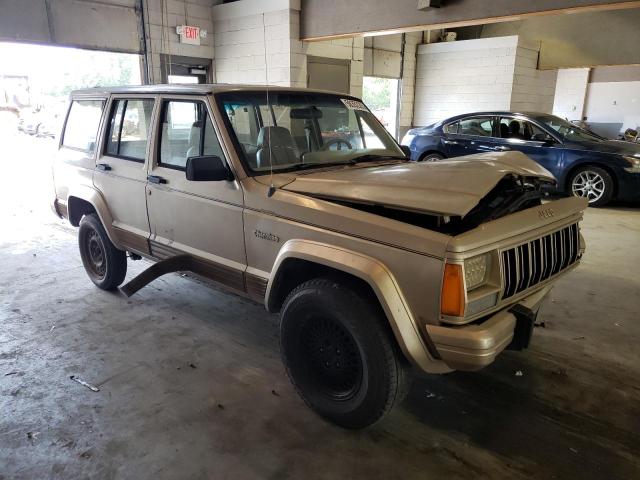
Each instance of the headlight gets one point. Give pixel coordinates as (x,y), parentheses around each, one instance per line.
(476,271)
(634,163)
(407,139)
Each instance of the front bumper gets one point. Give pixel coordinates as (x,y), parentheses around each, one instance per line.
(629,186)
(472,347)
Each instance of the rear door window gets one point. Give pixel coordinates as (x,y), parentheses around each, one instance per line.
(128,132)
(81,129)
(478,126)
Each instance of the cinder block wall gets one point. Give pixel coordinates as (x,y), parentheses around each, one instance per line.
(408,81)
(161,33)
(478,75)
(351,49)
(465,76)
(533,90)
(246,31)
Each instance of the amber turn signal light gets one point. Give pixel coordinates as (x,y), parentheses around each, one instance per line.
(452,298)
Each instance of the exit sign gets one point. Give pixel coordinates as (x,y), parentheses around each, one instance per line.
(190,35)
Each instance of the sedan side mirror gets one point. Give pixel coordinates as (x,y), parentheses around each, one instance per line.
(406,150)
(208,168)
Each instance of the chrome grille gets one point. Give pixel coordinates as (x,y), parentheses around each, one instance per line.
(533,262)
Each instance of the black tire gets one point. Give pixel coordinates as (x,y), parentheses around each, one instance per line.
(325,322)
(593,183)
(431,157)
(103,262)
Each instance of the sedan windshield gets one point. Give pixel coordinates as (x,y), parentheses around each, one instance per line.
(568,130)
(300,130)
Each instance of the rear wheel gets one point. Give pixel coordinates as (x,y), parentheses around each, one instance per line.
(432,157)
(339,353)
(103,262)
(592,183)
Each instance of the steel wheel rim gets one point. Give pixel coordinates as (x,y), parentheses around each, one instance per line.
(588,184)
(96,257)
(332,358)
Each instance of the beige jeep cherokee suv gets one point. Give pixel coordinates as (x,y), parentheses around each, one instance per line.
(301,200)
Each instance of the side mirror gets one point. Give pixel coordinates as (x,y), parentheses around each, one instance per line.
(208,168)
(543,137)
(406,150)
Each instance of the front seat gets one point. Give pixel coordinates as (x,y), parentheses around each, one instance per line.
(277,142)
(194,140)
(514,130)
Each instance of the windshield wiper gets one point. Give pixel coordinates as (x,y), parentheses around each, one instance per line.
(302,166)
(368,157)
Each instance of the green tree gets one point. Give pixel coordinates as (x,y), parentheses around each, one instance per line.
(376,93)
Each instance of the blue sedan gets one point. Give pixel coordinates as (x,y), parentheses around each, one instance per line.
(584,164)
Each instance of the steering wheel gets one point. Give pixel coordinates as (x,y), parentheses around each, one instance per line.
(336,141)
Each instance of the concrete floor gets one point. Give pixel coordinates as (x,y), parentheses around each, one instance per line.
(191,384)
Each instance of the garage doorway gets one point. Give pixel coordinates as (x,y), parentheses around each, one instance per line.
(328,74)
(35,82)
(381,96)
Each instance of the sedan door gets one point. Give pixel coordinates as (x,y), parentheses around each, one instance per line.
(521,134)
(469,135)
(201,218)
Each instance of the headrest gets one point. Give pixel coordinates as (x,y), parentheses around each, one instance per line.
(276,136)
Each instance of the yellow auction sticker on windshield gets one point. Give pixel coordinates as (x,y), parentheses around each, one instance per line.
(353,104)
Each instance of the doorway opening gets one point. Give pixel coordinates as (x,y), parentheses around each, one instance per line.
(178,69)
(381,96)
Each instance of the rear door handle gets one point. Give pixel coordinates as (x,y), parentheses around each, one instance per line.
(103,166)
(501,148)
(156,179)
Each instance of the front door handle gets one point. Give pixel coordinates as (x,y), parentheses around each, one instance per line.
(450,142)
(103,167)
(501,148)
(156,179)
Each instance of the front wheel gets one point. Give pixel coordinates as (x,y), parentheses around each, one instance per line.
(431,157)
(340,355)
(592,183)
(103,262)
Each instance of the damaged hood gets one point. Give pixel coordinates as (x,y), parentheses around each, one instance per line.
(447,187)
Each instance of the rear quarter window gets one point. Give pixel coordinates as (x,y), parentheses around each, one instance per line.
(81,129)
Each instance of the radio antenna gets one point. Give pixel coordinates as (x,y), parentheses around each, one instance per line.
(272,188)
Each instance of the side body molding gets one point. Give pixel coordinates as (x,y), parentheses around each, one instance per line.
(384,285)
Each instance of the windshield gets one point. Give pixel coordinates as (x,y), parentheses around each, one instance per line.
(568,130)
(304,130)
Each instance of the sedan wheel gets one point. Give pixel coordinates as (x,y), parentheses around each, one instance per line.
(594,184)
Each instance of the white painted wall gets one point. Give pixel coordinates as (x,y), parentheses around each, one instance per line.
(465,76)
(571,89)
(613,102)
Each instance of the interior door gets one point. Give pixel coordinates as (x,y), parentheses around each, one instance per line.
(202,218)
(121,171)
